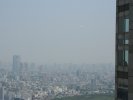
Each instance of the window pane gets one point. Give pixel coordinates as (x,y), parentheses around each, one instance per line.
(120,58)
(126,41)
(123,8)
(126,56)
(126,26)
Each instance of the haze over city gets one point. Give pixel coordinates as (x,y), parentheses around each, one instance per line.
(62,31)
(64,49)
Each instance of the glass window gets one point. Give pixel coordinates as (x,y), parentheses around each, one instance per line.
(121,25)
(122,94)
(126,25)
(126,57)
(123,8)
(126,41)
(120,57)
(123,82)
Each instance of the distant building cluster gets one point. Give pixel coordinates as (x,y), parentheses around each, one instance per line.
(25,81)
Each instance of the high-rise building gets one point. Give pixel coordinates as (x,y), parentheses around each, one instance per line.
(16,65)
(124,50)
(2,93)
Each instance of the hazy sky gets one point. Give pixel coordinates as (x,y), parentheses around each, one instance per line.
(47,31)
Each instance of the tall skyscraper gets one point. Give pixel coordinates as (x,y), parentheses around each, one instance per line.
(16,65)
(124,50)
(2,93)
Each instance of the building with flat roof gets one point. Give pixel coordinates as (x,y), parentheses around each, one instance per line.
(16,65)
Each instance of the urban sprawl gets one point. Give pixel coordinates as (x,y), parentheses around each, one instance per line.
(28,81)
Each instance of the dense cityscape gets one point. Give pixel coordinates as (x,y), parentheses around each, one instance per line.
(29,81)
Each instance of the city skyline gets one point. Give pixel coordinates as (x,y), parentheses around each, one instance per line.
(64,50)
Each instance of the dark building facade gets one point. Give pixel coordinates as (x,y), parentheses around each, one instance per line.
(124,50)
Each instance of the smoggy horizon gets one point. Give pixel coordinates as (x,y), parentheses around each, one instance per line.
(61,31)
